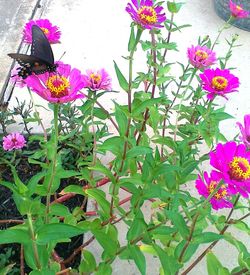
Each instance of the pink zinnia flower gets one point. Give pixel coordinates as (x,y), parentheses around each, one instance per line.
(237,11)
(16,79)
(97,80)
(245,131)
(207,187)
(219,82)
(13,141)
(233,162)
(145,14)
(60,87)
(201,57)
(52,32)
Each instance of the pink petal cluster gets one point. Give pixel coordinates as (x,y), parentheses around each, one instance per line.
(13,141)
(245,131)
(97,80)
(145,14)
(233,162)
(207,187)
(60,87)
(219,82)
(237,11)
(201,57)
(52,32)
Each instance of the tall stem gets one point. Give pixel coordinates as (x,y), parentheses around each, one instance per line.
(56,110)
(125,147)
(33,238)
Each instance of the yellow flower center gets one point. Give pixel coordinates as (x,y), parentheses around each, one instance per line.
(95,77)
(58,86)
(239,169)
(45,30)
(219,83)
(221,193)
(147,15)
(239,8)
(202,55)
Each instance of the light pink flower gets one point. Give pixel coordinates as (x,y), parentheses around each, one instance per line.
(145,14)
(52,32)
(62,86)
(233,162)
(201,57)
(245,131)
(97,80)
(13,141)
(219,82)
(205,188)
(237,11)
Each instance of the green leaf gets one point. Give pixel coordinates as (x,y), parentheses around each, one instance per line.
(138,150)
(88,264)
(179,222)
(138,258)
(100,197)
(207,237)
(22,188)
(131,42)
(57,231)
(14,236)
(104,269)
(145,104)
(74,189)
(103,169)
(121,119)
(5,270)
(213,264)
(174,7)
(122,80)
(42,272)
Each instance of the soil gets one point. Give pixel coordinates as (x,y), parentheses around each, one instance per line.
(8,211)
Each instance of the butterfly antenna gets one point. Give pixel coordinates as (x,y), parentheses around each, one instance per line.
(62,56)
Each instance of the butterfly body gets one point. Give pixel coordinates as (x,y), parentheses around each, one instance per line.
(41,59)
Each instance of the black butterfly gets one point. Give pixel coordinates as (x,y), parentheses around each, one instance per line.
(41,59)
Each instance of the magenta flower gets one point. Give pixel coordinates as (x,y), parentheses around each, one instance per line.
(237,11)
(219,82)
(52,32)
(201,57)
(207,187)
(13,141)
(245,131)
(233,162)
(97,80)
(16,79)
(145,14)
(60,87)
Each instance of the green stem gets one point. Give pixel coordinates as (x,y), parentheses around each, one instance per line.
(225,26)
(182,99)
(33,238)
(54,159)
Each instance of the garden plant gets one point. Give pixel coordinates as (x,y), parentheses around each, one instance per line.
(167,153)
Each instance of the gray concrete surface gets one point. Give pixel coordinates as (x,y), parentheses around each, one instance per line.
(94,33)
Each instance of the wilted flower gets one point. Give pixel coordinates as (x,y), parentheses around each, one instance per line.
(145,14)
(201,57)
(233,162)
(219,82)
(207,187)
(52,32)
(237,11)
(245,131)
(97,80)
(16,79)
(13,141)
(60,87)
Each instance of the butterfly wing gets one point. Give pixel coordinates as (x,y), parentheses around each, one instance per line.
(30,64)
(40,47)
